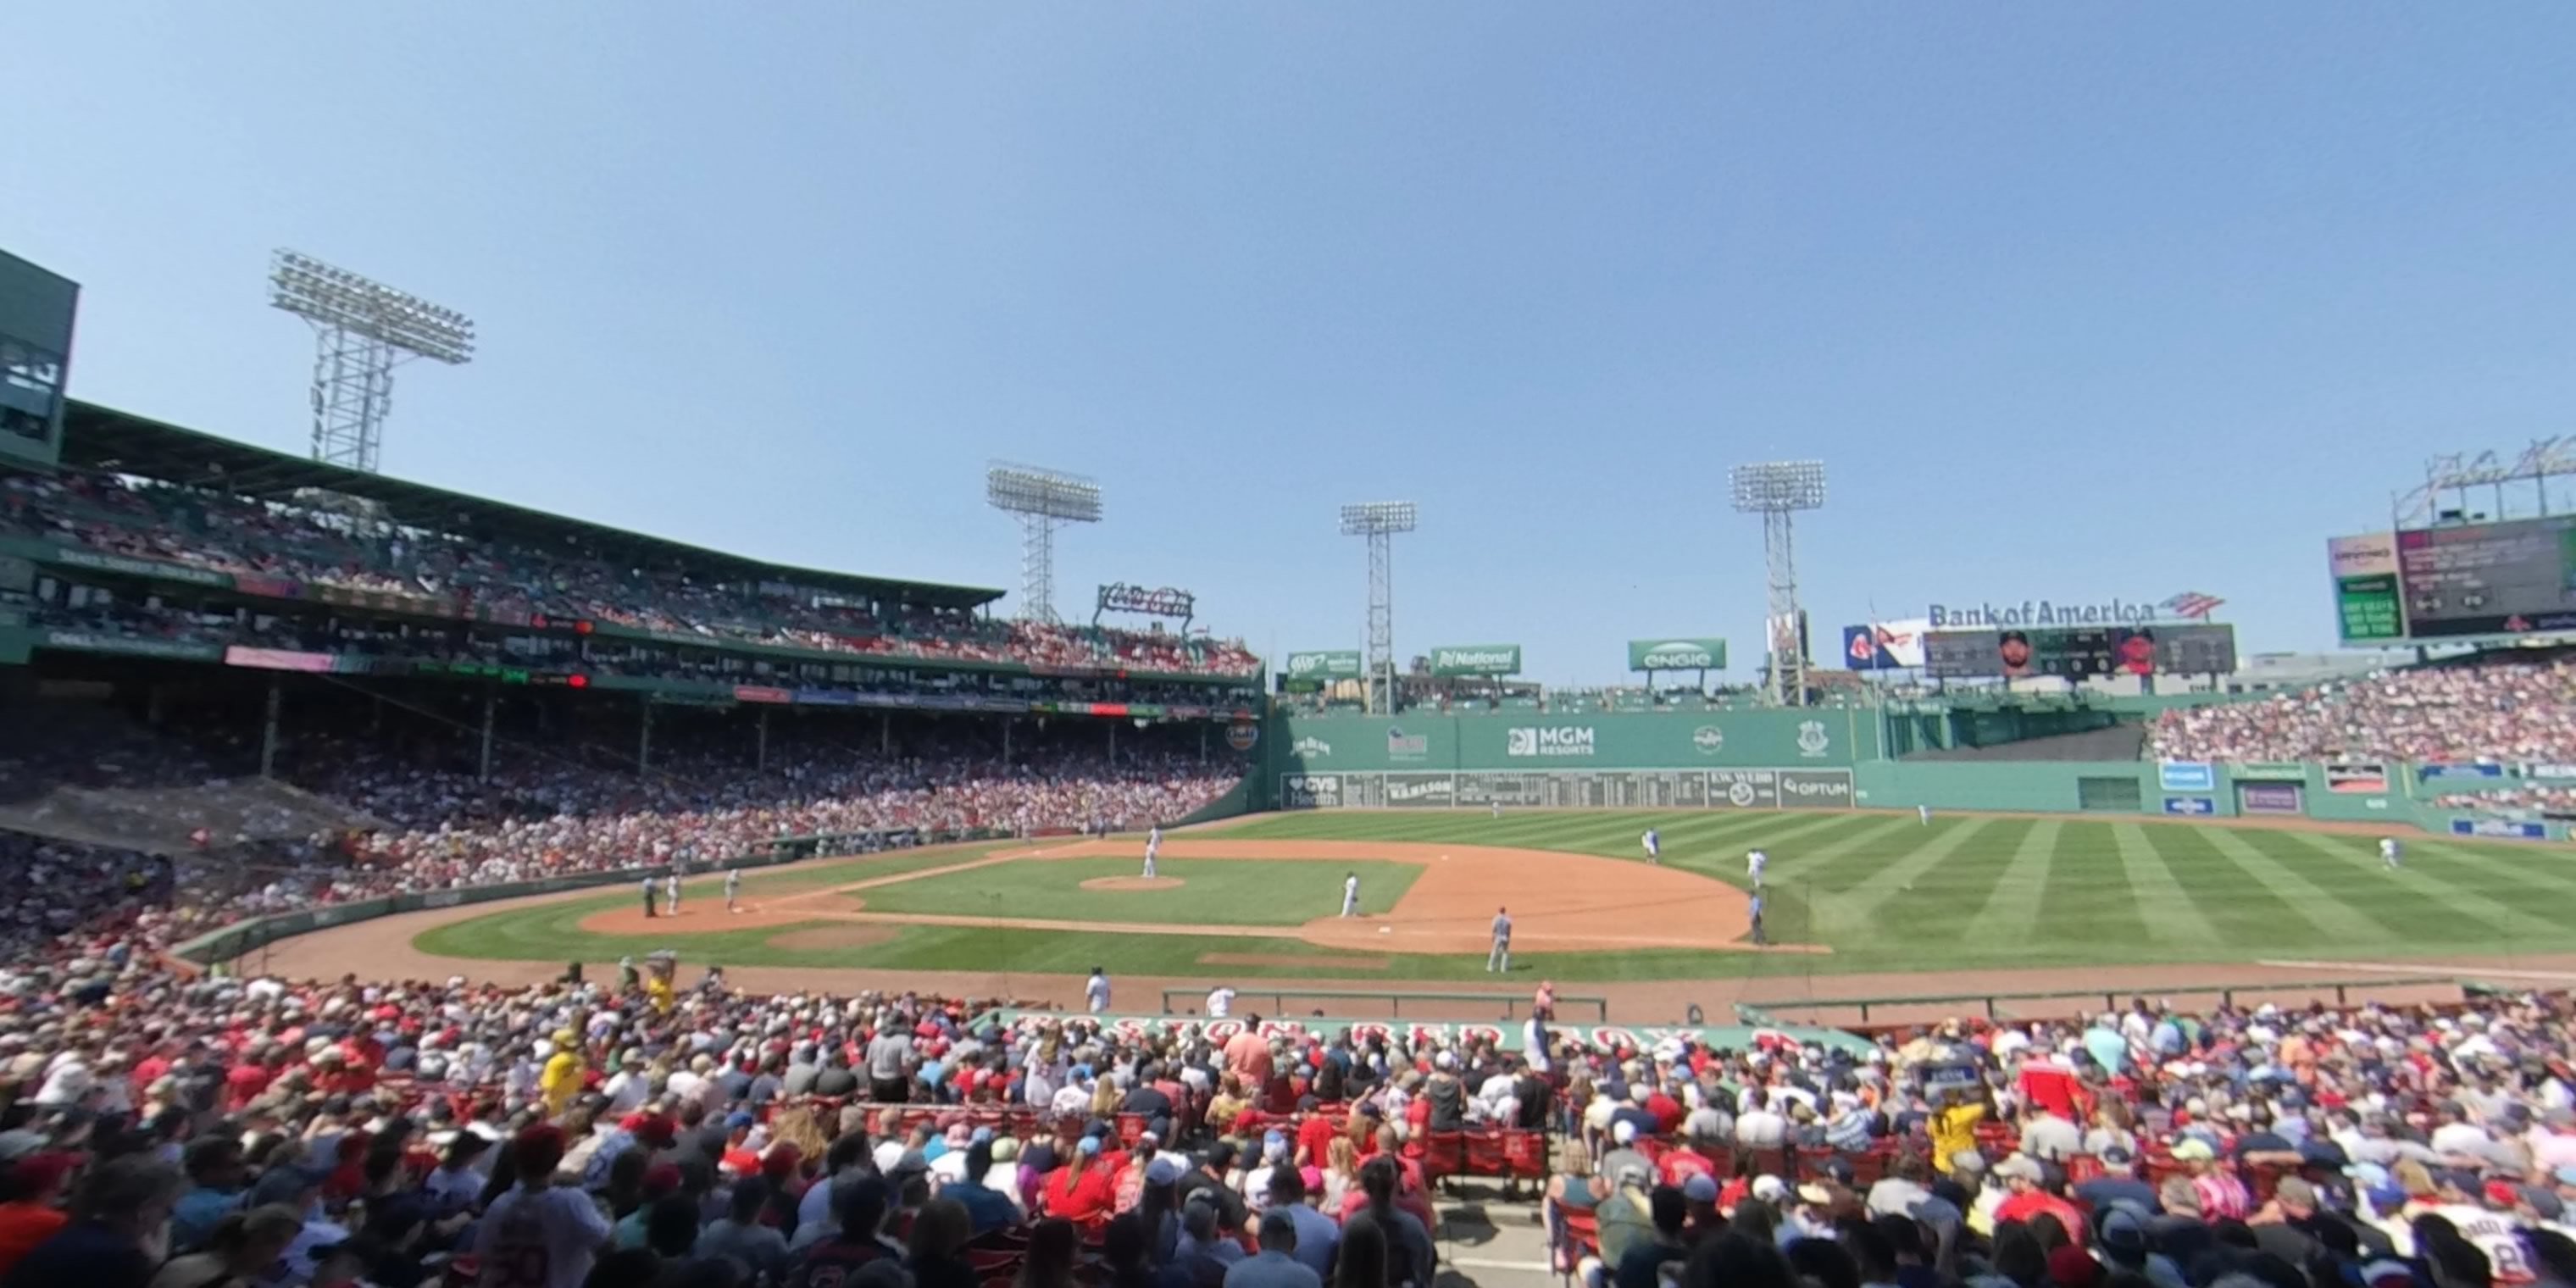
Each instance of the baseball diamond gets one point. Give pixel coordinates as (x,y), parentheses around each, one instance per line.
(1850,892)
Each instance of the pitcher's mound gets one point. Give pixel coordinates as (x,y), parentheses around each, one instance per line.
(1131,883)
(826,938)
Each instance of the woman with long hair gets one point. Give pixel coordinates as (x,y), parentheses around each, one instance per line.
(1408,1239)
(2111,1129)
(1362,1262)
(1341,1174)
(1573,1189)
(1079,1191)
(1050,1258)
(936,1250)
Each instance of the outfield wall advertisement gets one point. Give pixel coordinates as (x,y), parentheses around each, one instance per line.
(1612,789)
(1531,739)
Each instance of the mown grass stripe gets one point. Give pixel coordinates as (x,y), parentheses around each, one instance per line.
(2502,869)
(2495,915)
(2164,907)
(1855,911)
(2011,911)
(2331,916)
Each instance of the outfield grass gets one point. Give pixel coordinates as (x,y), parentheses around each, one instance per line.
(1213,892)
(1883,891)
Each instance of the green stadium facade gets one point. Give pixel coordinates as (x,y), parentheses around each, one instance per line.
(1897,756)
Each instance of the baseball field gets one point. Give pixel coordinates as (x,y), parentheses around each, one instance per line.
(1846,892)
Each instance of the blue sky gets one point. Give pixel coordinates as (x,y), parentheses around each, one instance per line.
(2077,301)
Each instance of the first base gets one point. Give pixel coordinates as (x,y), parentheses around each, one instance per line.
(1386,930)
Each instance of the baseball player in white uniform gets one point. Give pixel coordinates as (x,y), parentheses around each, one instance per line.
(2390,853)
(1654,846)
(1924,812)
(1153,845)
(1498,810)
(1754,862)
(733,889)
(671,892)
(1351,895)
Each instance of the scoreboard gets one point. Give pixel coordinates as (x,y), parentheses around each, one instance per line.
(2489,578)
(2080,652)
(2456,581)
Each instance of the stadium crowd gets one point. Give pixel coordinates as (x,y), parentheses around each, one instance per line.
(2496,708)
(280,548)
(158,1128)
(385,815)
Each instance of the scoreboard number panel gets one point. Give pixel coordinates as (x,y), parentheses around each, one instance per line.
(2079,653)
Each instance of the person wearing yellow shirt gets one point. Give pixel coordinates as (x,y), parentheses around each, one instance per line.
(1954,1125)
(563,1073)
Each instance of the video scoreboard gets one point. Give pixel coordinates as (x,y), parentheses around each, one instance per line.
(2473,579)
(2080,652)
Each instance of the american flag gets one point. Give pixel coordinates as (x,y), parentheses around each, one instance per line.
(2193,604)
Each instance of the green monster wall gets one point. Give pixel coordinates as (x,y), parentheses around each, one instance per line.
(1545,741)
(1769,759)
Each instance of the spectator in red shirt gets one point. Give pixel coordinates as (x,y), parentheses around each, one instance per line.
(1695,1157)
(2029,1196)
(246,1081)
(1080,1191)
(1314,1139)
(1667,1112)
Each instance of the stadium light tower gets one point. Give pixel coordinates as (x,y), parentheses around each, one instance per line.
(362,330)
(1379,521)
(1777,490)
(1043,500)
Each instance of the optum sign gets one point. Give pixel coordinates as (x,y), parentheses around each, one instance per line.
(1677,655)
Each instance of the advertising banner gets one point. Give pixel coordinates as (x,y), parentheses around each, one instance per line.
(2505,828)
(1885,646)
(171,650)
(2545,770)
(2281,770)
(2369,607)
(1336,664)
(1599,789)
(96,561)
(2186,776)
(278,659)
(2429,773)
(1677,655)
(1861,651)
(2356,778)
(1476,659)
(2193,805)
(2270,798)
(1420,1033)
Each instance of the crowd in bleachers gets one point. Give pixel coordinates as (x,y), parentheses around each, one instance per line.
(2495,708)
(2528,798)
(639,1131)
(253,539)
(375,816)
